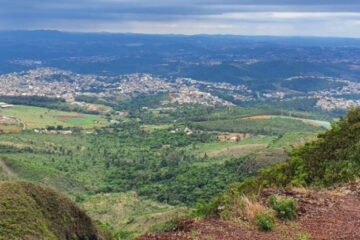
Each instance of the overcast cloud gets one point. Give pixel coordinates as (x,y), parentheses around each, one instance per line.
(340,18)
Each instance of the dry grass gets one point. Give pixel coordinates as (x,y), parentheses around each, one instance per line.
(335,193)
(312,123)
(257,117)
(301,190)
(248,209)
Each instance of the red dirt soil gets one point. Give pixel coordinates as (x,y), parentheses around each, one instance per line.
(257,117)
(322,214)
(312,123)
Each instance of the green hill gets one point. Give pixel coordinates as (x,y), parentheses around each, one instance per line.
(317,184)
(317,176)
(333,158)
(29,211)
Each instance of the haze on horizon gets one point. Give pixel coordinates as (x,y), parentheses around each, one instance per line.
(335,18)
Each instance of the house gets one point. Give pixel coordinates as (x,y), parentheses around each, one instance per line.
(188,131)
(5,105)
(234,139)
(66,132)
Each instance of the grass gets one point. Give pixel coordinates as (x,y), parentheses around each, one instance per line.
(249,210)
(37,117)
(318,123)
(28,211)
(127,212)
(273,126)
(214,149)
(294,139)
(158,127)
(259,151)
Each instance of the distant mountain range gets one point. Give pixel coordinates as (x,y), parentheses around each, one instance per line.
(258,62)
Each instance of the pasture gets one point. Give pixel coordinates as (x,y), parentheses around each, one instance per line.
(37,117)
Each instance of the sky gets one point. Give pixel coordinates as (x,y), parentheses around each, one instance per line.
(337,18)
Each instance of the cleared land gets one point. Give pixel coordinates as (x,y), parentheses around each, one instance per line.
(37,117)
(128,211)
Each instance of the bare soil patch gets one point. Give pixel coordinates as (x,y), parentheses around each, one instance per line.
(325,214)
(257,117)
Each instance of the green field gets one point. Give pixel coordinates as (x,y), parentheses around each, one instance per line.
(272,126)
(127,213)
(37,117)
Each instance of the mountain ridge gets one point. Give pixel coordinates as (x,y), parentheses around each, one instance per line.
(29,211)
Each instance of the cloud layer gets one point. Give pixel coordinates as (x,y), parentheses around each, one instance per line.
(247,17)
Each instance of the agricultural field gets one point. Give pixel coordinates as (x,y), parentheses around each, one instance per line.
(216,148)
(126,213)
(11,124)
(38,117)
(260,125)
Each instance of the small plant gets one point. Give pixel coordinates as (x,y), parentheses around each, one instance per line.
(195,234)
(303,236)
(265,222)
(203,209)
(286,209)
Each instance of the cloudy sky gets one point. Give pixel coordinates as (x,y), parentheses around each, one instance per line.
(340,18)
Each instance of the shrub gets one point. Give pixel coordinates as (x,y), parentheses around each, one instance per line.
(265,221)
(204,209)
(222,203)
(286,209)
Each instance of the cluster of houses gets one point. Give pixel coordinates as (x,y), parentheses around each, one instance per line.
(187,130)
(234,137)
(5,105)
(45,131)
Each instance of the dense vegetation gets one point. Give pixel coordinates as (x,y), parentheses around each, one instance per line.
(272,126)
(28,211)
(331,159)
(167,164)
(311,84)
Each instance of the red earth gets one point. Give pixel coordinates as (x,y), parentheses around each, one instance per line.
(322,215)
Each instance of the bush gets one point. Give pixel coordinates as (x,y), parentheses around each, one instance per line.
(286,209)
(204,209)
(222,203)
(265,221)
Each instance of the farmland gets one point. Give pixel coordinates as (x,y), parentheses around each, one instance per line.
(127,212)
(268,126)
(37,117)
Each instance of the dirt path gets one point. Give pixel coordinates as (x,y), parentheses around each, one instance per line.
(5,169)
(323,215)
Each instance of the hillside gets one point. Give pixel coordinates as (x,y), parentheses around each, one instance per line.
(321,215)
(313,195)
(29,211)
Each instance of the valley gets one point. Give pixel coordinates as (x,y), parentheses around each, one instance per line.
(139,134)
(127,175)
